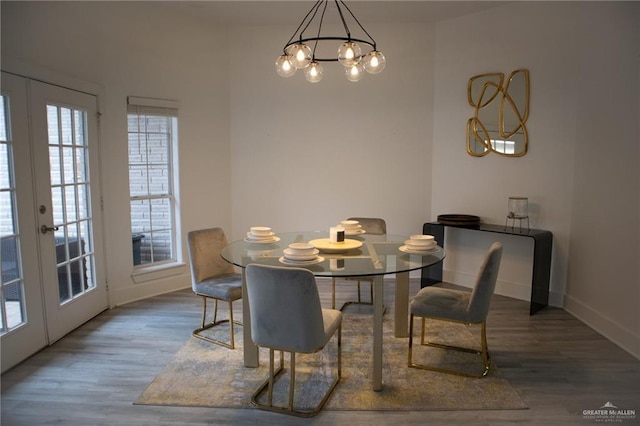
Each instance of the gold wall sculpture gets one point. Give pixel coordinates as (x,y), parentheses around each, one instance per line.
(500,114)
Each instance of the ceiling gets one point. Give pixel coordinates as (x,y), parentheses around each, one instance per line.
(291,12)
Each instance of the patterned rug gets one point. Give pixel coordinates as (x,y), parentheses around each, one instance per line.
(206,375)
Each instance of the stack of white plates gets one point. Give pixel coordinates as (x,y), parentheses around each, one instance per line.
(301,254)
(419,244)
(352,227)
(261,234)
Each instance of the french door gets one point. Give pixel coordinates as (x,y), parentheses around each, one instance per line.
(52,268)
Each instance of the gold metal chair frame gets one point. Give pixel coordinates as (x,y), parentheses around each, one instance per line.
(269,383)
(486,358)
(205,326)
(359,302)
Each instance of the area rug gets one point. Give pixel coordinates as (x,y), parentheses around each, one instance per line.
(206,375)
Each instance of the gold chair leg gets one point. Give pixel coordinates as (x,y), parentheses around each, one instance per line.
(205,326)
(339,352)
(292,379)
(359,302)
(484,352)
(268,385)
(486,358)
(333,293)
(410,352)
(231,330)
(370,294)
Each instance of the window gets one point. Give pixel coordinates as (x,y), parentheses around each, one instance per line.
(153,139)
(12,307)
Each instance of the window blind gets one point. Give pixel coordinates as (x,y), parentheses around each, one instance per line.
(152,106)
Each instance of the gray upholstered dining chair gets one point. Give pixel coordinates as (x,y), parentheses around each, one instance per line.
(286,315)
(373,226)
(458,306)
(213,278)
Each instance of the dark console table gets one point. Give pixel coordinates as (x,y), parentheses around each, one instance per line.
(542,245)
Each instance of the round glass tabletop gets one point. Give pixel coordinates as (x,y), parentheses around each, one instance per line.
(361,255)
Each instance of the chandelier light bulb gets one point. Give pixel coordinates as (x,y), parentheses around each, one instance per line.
(355,72)
(374,62)
(313,73)
(284,67)
(349,53)
(299,55)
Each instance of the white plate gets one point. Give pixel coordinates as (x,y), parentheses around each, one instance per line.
(405,249)
(350,223)
(290,255)
(325,245)
(356,232)
(422,237)
(420,247)
(253,236)
(301,262)
(301,246)
(261,230)
(263,241)
(421,243)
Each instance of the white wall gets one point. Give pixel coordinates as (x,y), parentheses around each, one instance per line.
(259,149)
(481,186)
(581,171)
(135,49)
(604,289)
(305,156)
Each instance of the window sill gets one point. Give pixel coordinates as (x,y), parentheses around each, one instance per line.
(151,273)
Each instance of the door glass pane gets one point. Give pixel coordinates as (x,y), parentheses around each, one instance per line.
(10,259)
(83,201)
(70,203)
(52,118)
(70,194)
(64,283)
(66,126)
(7,218)
(79,127)
(54,161)
(12,307)
(57,202)
(82,174)
(89,271)
(68,161)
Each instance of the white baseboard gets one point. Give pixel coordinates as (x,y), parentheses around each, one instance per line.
(629,340)
(148,289)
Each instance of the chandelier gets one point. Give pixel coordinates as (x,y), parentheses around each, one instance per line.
(303,51)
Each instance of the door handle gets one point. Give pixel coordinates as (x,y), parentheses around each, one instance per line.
(44,229)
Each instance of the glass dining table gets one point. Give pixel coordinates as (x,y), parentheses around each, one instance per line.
(361,255)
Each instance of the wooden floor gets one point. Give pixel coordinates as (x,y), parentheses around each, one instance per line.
(91,377)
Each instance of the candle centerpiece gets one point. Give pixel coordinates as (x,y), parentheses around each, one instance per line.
(336,234)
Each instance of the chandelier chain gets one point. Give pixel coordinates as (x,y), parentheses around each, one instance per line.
(313,10)
(344,23)
(357,22)
(315,45)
